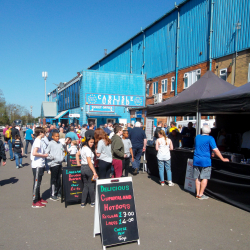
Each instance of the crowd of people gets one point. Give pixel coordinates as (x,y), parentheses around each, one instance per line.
(104,152)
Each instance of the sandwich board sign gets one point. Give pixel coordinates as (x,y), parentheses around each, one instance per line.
(72,185)
(115,214)
(189,180)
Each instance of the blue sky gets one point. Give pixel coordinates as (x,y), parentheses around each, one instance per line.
(62,38)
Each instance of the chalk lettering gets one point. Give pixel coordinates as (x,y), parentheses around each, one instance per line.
(116,207)
(122,238)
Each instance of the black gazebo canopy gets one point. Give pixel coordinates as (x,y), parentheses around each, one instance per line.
(186,103)
(235,101)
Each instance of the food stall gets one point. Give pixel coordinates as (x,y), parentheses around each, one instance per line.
(230,181)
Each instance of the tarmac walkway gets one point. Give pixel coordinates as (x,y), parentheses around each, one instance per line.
(168,218)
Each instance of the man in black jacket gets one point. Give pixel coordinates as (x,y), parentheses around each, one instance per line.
(2,153)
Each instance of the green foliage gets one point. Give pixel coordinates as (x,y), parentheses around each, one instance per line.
(12,112)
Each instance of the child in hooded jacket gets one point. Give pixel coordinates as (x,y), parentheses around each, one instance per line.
(56,156)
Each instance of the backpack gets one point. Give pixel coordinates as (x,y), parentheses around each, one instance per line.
(82,133)
(7,134)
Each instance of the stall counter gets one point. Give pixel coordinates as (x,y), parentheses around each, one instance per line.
(230,182)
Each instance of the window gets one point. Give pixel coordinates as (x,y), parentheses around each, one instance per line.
(223,74)
(164,86)
(188,118)
(147,90)
(69,97)
(172,83)
(191,77)
(155,88)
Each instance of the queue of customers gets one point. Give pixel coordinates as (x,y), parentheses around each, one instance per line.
(99,155)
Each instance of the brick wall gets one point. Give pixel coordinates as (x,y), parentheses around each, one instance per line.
(241,72)
(204,67)
(180,83)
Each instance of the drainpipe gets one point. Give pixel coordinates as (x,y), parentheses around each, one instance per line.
(143,49)
(211,34)
(177,50)
(131,51)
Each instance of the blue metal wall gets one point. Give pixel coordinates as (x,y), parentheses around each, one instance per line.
(195,17)
(226,14)
(194,33)
(160,47)
(119,61)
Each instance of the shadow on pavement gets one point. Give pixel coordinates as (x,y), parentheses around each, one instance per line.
(26,164)
(46,194)
(11,180)
(154,178)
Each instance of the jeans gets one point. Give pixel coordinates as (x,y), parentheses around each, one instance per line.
(10,148)
(117,167)
(38,174)
(88,185)
(167,165)
(104,169)
(55,180)
(125,166)
(137,158)
(27,144)
(18,158)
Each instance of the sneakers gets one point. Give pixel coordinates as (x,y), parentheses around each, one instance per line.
(92,204)
(59,196)
(17,166)
(12,159)
(38,205)
(20,165)
(54,198)
(162,183)
(49,172)
(135,172)
(203,197)
(43,201)
(83,205)
(170,184)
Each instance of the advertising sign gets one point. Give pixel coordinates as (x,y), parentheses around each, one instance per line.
(150,128)
(98,108)
(189,180)
(114,100)
(115,214)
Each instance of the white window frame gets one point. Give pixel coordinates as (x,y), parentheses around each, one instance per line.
(155,90)
(191,77)
(164,83)
(147,89)
(172,81)
(188,118)
(222,74)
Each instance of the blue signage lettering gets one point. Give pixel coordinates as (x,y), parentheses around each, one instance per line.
(114,100)
(98,108)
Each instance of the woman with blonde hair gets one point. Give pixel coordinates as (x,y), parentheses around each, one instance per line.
(103,153)
(163,146)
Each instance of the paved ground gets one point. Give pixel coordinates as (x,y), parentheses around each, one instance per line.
(168,218)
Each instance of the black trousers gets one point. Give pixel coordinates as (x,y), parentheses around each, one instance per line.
(55,181)
(125,166)
(88,185)
(104,169)
(38,175)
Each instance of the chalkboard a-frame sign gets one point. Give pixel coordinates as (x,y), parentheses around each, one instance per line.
(72,185)
(115,214)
